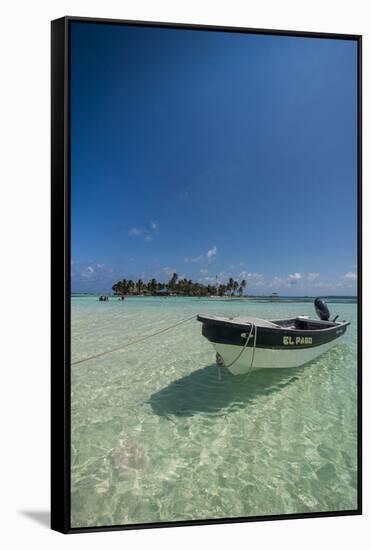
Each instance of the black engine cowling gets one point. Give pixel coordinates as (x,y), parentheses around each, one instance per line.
(322,309)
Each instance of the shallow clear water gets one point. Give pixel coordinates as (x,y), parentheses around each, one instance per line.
(160,433)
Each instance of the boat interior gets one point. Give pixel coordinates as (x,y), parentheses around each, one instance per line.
(301,323)
(295,323)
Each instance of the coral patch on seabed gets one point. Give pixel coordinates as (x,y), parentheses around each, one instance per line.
(130,457)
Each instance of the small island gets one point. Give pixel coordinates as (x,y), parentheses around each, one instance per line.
(178,287)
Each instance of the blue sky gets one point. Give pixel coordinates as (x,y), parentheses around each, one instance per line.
(210,153)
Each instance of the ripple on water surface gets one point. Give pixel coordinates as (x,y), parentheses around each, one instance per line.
(160,433)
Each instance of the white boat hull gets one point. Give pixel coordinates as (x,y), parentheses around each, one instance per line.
(266,358)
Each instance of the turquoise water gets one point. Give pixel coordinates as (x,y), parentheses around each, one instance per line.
(160,433)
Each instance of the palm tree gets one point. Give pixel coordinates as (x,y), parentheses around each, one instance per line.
(152,285)
(190,286)
(222,289)
(186,286)
(123,286)
(243,285)
(173,281)
(230,284)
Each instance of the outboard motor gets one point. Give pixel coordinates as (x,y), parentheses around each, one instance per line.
(322,309)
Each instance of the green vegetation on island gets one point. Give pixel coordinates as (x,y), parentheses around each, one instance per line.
(176,286)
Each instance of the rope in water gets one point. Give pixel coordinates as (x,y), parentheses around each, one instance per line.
(133,342)
(253,351)
(252,328)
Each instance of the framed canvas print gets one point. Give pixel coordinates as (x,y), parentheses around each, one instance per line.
(206,274)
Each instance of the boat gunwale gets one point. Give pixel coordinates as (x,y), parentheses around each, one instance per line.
(235,325)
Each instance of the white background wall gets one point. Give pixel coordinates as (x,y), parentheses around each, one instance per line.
(24,256)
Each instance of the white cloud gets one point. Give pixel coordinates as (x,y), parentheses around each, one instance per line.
(295,276)
(350,275)
(194,259)
(85,275)
(211,253)
(254,279)
(294,283)
(285,282)
(146,232)
(278,282)
(135,231)
(208,280)
(248,275)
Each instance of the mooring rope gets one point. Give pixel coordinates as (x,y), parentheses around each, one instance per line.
(133,342)
(253,352)
(252,328)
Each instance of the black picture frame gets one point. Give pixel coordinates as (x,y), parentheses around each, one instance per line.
(60,271)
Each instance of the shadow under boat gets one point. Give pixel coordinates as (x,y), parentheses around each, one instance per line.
(214,390)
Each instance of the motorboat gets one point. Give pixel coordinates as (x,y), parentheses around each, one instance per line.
(246,343)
